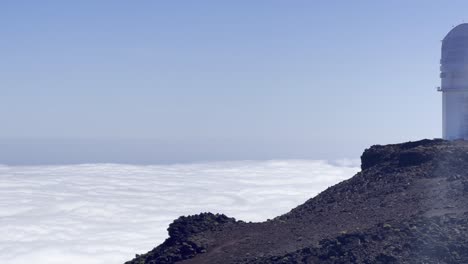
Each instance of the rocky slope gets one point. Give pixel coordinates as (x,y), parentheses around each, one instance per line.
(409,204)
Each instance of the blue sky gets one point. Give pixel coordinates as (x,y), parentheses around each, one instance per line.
(184,81)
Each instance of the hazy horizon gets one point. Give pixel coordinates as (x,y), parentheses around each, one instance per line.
(70,152)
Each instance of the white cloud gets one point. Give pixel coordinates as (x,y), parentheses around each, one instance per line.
(105,213)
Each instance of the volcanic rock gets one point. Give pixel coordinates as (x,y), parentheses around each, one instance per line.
(409,204)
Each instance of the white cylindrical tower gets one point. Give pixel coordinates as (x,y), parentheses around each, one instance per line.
(454,83)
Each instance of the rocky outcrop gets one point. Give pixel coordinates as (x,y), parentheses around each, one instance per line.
(183,242)
(409,204)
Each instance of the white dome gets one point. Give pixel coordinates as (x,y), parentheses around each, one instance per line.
(454,83)
(454,59)
(458,31)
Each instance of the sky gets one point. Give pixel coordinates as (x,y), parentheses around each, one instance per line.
(150,82)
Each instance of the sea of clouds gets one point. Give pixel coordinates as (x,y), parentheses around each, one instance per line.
(106,213)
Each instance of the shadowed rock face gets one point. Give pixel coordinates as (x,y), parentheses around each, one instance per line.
(409,204)
(183,242)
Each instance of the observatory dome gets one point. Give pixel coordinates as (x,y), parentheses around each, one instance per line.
(460,30)
(454,59)
(454,83)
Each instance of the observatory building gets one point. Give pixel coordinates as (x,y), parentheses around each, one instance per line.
(454,83)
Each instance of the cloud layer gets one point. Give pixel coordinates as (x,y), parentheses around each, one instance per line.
(105,213)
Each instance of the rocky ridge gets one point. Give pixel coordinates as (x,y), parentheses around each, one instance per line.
(409,204)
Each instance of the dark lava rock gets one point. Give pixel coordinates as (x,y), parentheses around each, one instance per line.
(409,204)
(421,240)
(406,154)
(183,242)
